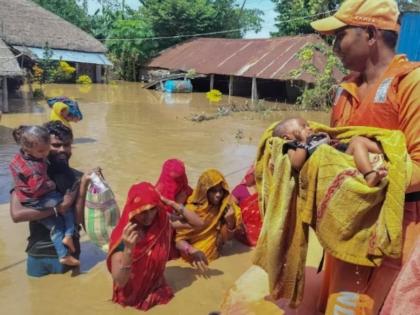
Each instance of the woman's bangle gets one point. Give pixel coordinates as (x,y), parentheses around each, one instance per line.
(55,211)
(187,249)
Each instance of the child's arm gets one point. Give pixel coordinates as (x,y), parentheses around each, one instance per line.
(297,157)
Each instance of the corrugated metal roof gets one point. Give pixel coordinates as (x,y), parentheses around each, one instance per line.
(408,42)
(67,55)
(272,58)
(8,64)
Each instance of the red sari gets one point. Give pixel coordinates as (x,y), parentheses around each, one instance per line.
(173,181)
(251,217)
(147,286)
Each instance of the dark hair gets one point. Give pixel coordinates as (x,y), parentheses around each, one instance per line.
(58,129)
(29,136)
(390,38)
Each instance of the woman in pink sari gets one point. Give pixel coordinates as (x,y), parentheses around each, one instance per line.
(247,198)
(173,183)
(173,187)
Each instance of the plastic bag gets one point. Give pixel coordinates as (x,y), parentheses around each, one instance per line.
(101,211)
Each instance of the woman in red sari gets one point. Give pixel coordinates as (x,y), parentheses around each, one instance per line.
(247,198)
(139,249)
(173,182)
(173,187)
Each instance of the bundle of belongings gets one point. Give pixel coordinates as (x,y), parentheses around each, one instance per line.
(73,106)
(353,222)
(101,211)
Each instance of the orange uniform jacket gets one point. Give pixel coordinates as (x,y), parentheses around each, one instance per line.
(394,103)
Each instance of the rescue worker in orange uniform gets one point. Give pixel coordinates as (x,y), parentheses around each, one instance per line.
(382,90)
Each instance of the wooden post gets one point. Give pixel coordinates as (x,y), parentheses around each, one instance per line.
(254,90)
(98,73)
(230,87)
(211,81)
(5,97)
(77,70)
(107,74)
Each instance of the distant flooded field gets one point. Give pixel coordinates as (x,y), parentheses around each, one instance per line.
(130,132)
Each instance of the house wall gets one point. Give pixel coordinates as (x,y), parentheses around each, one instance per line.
(91,70)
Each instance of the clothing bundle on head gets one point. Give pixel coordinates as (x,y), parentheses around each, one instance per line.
(73,106)
(205,238)
(354,222)
(147,286)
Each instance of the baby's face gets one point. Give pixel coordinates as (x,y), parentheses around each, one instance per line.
(39,151)
(303,130)
(299,130)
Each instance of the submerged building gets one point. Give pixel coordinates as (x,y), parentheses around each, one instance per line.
(256,68)
(26,28)
(9,68)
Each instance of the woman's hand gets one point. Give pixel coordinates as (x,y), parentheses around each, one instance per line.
(172,204)
(68,201)
(199,259)
(179,208)
(169,202)
(130,235)
(230,218)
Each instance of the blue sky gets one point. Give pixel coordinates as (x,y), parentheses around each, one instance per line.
(265,5)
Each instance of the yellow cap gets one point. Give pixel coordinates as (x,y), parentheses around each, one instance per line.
(383,14)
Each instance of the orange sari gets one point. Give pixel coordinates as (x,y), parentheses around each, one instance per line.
(147,286)
(205,238)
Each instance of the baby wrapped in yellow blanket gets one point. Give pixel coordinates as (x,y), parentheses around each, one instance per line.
(353,222)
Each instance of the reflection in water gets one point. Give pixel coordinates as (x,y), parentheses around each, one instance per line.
(129,132)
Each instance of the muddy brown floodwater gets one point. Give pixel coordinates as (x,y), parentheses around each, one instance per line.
(130,132)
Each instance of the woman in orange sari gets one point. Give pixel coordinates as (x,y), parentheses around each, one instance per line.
(139,248)
(246,195)
(213,203)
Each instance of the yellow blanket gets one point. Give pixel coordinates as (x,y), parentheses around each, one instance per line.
(353,222)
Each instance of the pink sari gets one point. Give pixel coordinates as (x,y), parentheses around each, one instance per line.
(173,181)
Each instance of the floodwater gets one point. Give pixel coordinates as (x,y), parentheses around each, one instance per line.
(130,132)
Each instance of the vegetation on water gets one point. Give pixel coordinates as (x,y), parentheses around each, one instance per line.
(227,109)
(84,79)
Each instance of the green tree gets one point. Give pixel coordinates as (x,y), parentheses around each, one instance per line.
(409,5)
(184,17)
(292,18)
(69,10)
(127,48)
(318,95)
